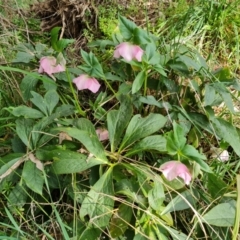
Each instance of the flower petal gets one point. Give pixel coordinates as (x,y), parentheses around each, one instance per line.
(85,82)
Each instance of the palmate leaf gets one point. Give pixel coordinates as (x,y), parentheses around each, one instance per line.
(117,121)
(99,202)
(139,128)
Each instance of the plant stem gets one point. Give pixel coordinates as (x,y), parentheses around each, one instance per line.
(80,111)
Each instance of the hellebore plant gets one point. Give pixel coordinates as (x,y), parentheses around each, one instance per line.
(174,169)
(85,82)
(128,51)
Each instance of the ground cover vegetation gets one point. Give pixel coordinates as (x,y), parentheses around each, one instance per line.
(119,121)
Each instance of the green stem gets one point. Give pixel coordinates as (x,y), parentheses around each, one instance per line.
(77,105)
(110,87)
(145,85)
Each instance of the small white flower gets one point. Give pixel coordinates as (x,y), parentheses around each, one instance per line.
(224,156)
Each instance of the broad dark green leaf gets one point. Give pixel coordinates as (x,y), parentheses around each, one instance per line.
(27,85)
(227,132)
(27,112)
(156,195)
(99,202)
(65,161)
(142,127)
(24,129)
(33,177)
(120,220)
(117,121)
(126,27)
(17,197)
(216,186)
(209,96)
(89,140)
(154,142)
(138,81)
(182,201)
(51,99)
(39,102)
(90,233)
(222,215)
(23,57)
(192,154)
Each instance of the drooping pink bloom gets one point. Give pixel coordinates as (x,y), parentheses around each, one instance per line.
(224,156)
(102,134)
(174,169)
(49,65)
(128,52)
(86,82)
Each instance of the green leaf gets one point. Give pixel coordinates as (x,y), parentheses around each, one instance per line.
(99,202)
(27,112)
(63,43)
(156,195)
(23,57)
(24,129)
(120,220)
(89,140)
(66,161)
(181,202)
(141,36)
(142,127)
(177,235)
(225,94)
(227,132)
(176,139)
(90,233)
(33,177)
(216,186)
(54,38)
(51,99)
(209,96)
(192,154)
(92,67)
(222,215)
(39,102)
(117,121)
(17,197)
(155,142)
(27,85)
(138,81)
(126,27)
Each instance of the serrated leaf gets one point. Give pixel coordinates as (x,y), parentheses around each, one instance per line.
(33,177)
(120,220)
(182,201)
(126,27)
(227,132)
(23,57)
(24,129)
(51,98)
(222,215)
(27,112)
(156,195)
(142,127)
(138,81)
(117,121)
(155,142)
(89,140)
(27,85)
(99,202)
(66,161)
(39,102)
(216,186)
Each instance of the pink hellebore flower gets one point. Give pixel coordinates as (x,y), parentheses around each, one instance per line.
(128,52)
(86,82)
(49,65)
(102,134)
(174,169)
